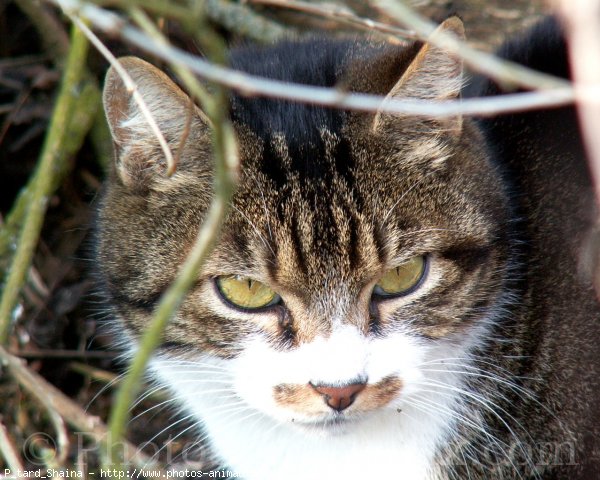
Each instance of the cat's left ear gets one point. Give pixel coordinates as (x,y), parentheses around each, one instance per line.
(434,74)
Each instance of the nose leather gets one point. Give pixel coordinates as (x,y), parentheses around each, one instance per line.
(339,398)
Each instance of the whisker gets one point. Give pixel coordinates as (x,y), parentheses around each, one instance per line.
(490,407)
(104,389)
(425,408)
(147,394)
(501,445)
(508,382)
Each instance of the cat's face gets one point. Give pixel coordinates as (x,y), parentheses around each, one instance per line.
(352,273)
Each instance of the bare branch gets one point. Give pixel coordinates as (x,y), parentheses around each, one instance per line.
(250,85)
(56,401)
(338,13)
(67,354)
(131,89)
(9,451)
(504,72)
(242,20)
(42,185)
(61,434)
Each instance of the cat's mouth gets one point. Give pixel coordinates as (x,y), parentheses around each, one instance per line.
(336,424)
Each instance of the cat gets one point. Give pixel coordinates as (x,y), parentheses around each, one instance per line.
(391,296)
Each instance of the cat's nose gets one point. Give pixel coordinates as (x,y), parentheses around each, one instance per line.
(339,398)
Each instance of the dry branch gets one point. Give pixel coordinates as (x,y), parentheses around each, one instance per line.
(340,14)
(59,404)
(250,85)
(507,73)
(43,180)
(8,450)
(243,21)
(226,173)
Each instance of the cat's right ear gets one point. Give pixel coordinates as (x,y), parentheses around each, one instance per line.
(139,156)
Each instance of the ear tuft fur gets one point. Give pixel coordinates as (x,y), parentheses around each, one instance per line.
(434,74)
(139,157)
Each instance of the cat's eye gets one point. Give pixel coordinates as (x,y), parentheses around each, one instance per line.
(245,293)
(402,279)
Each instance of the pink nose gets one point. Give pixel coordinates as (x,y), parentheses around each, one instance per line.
(339,398)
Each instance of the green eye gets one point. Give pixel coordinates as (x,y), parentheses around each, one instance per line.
(246,293)
(401,279)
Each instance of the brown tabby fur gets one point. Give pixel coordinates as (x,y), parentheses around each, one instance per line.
(413,187)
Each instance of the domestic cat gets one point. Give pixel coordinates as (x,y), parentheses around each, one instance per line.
(391,296)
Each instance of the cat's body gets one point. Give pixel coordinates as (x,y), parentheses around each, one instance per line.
(418,306)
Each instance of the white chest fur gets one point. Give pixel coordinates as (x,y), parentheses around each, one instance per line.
(258,440)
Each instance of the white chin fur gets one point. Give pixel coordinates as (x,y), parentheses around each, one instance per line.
(258,439)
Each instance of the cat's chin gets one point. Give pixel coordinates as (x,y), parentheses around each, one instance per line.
(332,425)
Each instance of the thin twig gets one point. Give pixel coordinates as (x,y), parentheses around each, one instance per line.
(56,401)
(9,451)
(94,373)
(89,354)
(338,13)
(131,89)
(43,181)
(104,376)
(186,132)
(226,171)
(243,21)
(507,73)
(250,85)
(62,447)
(111,380)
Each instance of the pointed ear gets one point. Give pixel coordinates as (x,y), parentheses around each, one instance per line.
(139,156)
(434,74)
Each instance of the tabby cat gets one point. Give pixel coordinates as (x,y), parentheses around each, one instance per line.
(391,296)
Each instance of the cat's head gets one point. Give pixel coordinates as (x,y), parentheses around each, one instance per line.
(361,251)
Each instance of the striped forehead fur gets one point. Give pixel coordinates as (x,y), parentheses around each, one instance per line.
(325,204)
